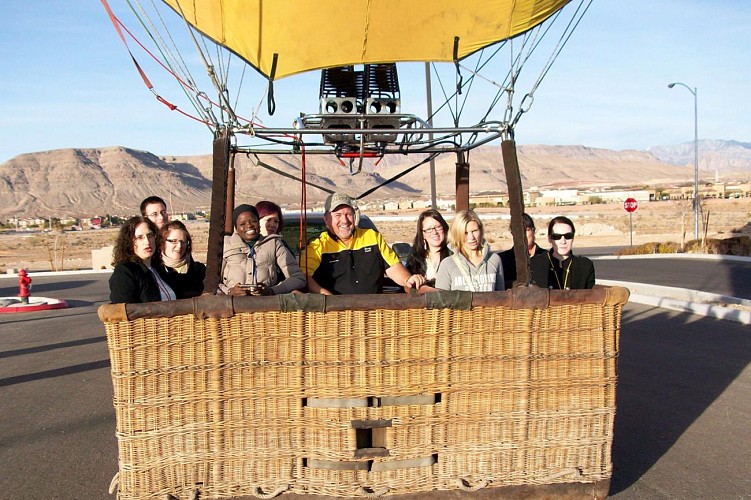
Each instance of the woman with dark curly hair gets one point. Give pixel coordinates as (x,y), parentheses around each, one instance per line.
(429,247)
(135,279)
(183,274)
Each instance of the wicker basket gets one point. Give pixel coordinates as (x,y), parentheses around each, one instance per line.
(364,395)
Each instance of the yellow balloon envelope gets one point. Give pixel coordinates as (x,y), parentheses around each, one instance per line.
(285,37)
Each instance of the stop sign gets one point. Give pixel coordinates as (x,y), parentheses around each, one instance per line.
(630,205)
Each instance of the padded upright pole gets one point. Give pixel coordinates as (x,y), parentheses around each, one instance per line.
(218,212)
(516,204)
(230,198)
(462,182)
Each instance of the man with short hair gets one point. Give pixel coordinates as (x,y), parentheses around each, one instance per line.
(508,258)
(155,209)
(348,259)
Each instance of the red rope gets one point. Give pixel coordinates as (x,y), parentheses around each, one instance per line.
(120,27)
(303,206)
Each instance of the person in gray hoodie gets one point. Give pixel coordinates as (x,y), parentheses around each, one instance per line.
(473,267)
(257,265)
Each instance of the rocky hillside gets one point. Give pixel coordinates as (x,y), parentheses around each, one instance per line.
(83,182)
(715,157)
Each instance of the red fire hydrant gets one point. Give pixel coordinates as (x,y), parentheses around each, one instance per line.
(24,284)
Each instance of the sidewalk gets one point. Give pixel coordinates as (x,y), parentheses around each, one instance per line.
(685,300)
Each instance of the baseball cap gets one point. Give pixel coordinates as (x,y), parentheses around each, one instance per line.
(336,200)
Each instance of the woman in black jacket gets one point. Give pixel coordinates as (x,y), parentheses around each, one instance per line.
(183,274)
(134,278)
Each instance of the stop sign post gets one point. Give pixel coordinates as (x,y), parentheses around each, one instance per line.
(630,205)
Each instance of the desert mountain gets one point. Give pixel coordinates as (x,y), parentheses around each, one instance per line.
(715,156)
(84,182)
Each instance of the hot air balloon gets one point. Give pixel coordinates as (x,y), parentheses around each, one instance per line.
(373,395)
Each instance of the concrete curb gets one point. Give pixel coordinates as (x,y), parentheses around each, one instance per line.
(59,273)
(36,304)
(692,301)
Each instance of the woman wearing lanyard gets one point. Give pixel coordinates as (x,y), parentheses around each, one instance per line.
(135,278)
(257,265)
(559,268)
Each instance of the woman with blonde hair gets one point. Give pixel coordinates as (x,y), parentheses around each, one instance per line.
(473,267)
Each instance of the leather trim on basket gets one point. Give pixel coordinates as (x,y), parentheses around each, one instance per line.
(336,402)
(213,306)
(307,302)
(449,300)
(112,313)
(404,464)
(531,297)
(315,463)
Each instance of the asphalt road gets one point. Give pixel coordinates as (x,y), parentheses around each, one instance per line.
(681,429)
(724,277)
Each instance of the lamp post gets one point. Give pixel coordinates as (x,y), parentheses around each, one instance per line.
(696,154)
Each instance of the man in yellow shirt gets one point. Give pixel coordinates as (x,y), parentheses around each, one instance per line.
(348,259)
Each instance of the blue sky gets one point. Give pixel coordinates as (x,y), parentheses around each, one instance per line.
(68,82)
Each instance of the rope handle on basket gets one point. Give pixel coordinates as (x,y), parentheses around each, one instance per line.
(466,485)
(258,492)
(571,471)
(372,494)
(115,481)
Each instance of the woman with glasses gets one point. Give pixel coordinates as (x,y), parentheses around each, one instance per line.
(183,274)
(135,278)
(429,247)
(559,268)
(257,265)
(473,267)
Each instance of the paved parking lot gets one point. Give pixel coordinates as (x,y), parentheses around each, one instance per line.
(681,430)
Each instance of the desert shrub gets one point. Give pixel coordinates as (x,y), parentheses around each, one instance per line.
(737,245)
(650,248)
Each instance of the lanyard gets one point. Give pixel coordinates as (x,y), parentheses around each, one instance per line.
(555,272)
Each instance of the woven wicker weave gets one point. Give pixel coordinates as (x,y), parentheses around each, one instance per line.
(228,398)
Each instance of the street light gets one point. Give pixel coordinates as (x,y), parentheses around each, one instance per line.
(696,154)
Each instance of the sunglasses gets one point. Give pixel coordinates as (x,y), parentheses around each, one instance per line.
(568,236)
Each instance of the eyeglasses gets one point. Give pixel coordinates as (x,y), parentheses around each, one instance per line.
(141,237)
(163,213)
(177,242)
(568,236)
(434,229)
